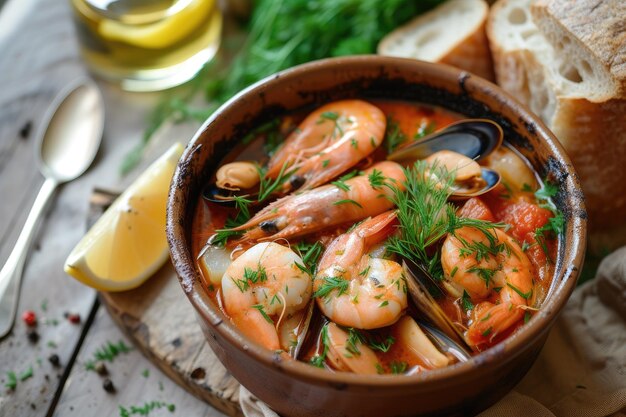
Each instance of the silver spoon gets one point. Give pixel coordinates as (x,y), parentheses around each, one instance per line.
(67,144)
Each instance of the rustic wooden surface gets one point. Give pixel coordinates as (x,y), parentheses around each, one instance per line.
(38,57)
(161,322)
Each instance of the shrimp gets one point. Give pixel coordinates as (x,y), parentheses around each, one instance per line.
(495,274)
(356,290)
(263,286)
(329,205)
(328,142)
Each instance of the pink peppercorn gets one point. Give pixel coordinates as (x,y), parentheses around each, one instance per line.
(29,317)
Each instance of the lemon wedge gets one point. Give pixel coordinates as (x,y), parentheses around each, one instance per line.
(128,244)
(161,34)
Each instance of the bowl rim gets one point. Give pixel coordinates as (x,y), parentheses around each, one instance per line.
(504,351)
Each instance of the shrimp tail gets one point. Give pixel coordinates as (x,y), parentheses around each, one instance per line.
(252,323)
(376,229)
(493,321)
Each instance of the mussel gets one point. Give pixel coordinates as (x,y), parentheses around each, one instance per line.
(239,178)
(420,286)
(474,138)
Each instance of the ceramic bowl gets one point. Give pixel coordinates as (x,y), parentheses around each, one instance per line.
(298,389)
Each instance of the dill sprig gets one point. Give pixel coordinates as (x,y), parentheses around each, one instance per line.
(319,359)
(426,216)
(310,253)
(331,284)
(108,352)
(144,410)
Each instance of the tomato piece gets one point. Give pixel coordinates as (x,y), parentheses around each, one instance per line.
(524,218)
(475,208)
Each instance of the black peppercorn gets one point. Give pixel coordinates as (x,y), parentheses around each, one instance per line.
(33,336)
(108,386)
(54,360)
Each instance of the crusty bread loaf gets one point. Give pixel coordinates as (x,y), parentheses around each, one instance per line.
(453,33)
(579,100)
(592,35)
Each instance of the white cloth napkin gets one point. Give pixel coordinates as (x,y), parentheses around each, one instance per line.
(581,370)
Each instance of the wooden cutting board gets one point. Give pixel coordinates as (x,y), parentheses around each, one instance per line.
(161,322)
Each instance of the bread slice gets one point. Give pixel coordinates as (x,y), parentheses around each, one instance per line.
(586,113)
(453,33)
(592,35)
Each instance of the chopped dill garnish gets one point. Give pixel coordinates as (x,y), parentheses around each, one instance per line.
(341,185)
(11,382)
(310,253)
(376,179)
(347,201)
(325,163)
(267,186)
(355,338)
(486,274)
(466,301)
(364,272)
(487,332)
(108,352)
(335,118)
(524,295)
(331,284)
(555,224)
(381,345)
(398,367)
(383,304)
(318,359)
(145,409)
(263,313)
(394,136)
(354,143)
(341,181)
(527,188)
(26,374)
(527,317)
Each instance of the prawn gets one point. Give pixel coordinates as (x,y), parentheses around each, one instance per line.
(495,273)
(356,290)
(329,141)
(262,287)
(329,205)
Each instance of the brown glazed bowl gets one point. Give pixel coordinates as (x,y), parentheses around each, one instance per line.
(298,389)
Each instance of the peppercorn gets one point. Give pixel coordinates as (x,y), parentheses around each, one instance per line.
(74,318)
(29,318)
(54,360)
(108,386)
(33,336)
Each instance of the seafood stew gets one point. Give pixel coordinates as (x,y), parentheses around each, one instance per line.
(319,242)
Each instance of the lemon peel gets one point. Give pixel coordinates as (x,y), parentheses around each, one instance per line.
(161,34)
(127,244)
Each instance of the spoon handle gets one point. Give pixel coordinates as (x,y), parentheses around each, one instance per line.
(11,274)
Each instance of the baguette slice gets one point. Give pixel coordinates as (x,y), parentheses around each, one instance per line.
(592,35)
(590,126)
(453,33)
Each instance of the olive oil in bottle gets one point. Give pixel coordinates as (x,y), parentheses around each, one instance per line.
(147,45)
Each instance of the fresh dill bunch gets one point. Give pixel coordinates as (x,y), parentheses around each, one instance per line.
(426,217)
(282,34)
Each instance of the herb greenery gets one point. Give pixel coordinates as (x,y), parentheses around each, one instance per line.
(282,34)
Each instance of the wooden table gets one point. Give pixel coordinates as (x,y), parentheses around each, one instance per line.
(38,56)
